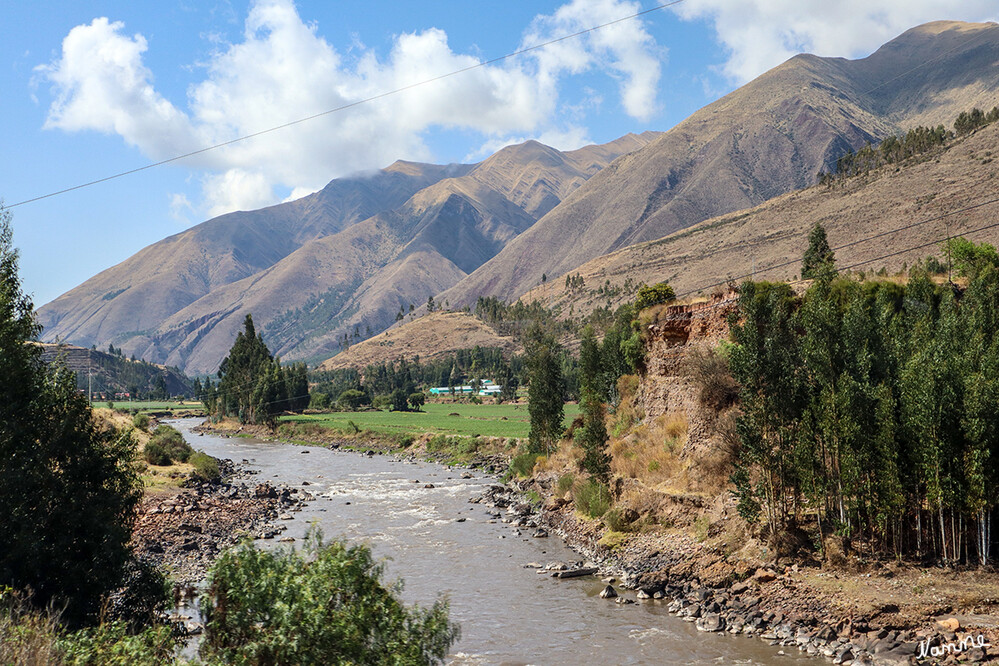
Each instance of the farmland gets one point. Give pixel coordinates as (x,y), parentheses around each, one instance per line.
(506,420)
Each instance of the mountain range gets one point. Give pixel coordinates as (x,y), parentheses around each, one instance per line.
(352,259)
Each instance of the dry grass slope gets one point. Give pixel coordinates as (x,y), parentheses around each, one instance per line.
(429,337)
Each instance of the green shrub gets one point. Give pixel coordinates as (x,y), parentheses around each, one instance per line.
(111,643)
(381,402)
(172,443)
(653,295)
(617,520)
(565,483)
(469,444)
(351,399)
(155,454)
(206,468)
(591,498)
(613,540)
(523,465)
(417,400)
(438,443)
(141,421)
(326,605)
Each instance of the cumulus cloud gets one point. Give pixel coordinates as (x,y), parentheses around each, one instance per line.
(760,34)
(625,49)
(283,70)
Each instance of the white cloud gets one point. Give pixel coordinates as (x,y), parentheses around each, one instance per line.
(180,208)
(625,49)
(283,70)
(236,189)
(101,84)
(761,34)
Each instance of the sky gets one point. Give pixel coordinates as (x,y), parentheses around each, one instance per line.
(93,89)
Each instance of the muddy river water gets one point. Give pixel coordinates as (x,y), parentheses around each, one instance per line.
(508,613)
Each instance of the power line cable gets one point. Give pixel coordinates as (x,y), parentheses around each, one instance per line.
(351,105)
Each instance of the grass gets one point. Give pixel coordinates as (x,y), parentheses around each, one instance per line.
(151,405)
(506,420)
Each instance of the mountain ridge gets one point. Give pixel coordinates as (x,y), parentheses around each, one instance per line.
(771,136)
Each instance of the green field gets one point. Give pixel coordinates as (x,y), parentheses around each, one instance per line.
(152,405)
(505,420)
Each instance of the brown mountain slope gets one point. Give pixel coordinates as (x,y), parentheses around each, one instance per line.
(142,291)
(429,337)
(769,137)
(359,277)
(930,196)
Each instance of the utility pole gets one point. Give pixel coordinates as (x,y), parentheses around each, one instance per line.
(90,384)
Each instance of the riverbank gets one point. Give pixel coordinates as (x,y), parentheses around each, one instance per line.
(183,530)
(849,617)
(875,614)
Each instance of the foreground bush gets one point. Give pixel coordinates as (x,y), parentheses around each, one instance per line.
(166,446)
(29,637)
(326,605)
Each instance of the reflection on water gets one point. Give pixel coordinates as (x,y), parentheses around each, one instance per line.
(508,613)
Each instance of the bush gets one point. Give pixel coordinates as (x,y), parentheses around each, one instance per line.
(591,498)
(325,605)
(351,399)
(155,454)
(523,465)
(438,443)
(417,400)
(381,402)
(654,295)
(167,445)
(319,400)
(111,643)
(620,520)
(141,421)
(206,468)
(400,401)
(565,483)
(717,388)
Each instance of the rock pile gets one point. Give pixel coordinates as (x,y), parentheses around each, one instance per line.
(184,533)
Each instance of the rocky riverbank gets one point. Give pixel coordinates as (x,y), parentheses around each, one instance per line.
(776,604)
(183,532)
(850,617)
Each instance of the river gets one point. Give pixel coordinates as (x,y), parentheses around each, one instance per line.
(508,613)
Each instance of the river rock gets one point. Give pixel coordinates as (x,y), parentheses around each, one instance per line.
(624,600)
(265,491)
(950,624)
(608,592)
(710,622)
(541,533)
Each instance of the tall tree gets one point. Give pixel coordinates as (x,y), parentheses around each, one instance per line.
(546,390)
(592,437)
(819,259)
(67,484)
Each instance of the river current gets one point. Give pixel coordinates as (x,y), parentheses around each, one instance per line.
(508,614)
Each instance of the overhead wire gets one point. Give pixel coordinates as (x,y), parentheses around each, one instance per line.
(350,105)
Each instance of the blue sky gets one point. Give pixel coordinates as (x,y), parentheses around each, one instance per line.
(96,88)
